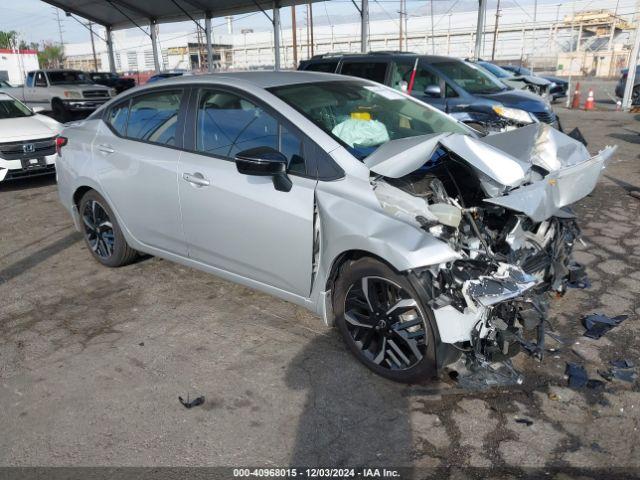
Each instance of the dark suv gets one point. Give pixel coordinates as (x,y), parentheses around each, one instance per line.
(459,88)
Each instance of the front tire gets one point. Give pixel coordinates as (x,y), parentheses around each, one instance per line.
(102,234)
(384,322)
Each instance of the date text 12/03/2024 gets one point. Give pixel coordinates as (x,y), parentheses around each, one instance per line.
(316,472)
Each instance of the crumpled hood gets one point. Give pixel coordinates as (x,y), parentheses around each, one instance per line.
(504,164)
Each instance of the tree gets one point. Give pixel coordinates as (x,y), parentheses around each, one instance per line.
(8,39)
(51,55)
(29,46)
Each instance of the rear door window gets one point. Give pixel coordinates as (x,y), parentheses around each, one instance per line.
(327,67)
(118,116)
(153,117)
(376,71)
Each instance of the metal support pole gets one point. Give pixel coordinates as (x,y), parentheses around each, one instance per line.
(276,35)
(631,74)
(154,45)
(495,32)
(364,26)
(93,48)
(533,50)
(207,35)
(294,39)
(482,6)
(112,62)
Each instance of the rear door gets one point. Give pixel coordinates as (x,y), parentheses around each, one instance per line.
(238,223)
(137,149)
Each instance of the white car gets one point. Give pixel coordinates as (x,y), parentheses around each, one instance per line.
(27,140)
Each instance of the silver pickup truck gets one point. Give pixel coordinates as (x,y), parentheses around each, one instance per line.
(63,92)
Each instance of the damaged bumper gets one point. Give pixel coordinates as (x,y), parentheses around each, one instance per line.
(500,203)
(543,198)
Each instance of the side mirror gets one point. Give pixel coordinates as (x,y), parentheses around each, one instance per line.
(432,91)
(265,162)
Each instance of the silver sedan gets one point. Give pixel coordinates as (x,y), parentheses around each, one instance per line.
(418,239)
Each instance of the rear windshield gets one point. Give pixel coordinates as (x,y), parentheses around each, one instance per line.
(470,78)
(66,77)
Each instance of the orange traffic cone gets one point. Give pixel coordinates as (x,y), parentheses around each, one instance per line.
(590,104)
(575,102)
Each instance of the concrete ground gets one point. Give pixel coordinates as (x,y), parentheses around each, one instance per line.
(92,360)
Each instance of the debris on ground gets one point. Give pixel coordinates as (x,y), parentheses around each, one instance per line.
(524,421)
(597,324)
(193,403)
(141,344)
(578,377)
(578,276)
(620,370)
(483,376)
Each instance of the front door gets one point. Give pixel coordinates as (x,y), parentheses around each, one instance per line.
(239,223)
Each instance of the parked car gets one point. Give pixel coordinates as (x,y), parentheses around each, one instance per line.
(533,84)
(164,75)
(458,88)
(420,239)
(113,80)
(27,140)
(557,91)
(66,93)
(622,84)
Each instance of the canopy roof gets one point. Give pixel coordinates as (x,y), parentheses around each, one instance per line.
(120,14)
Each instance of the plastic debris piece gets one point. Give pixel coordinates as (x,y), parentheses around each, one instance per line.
(193,403)
(624,363)
(481,377)
(581,284)
(524,421)
(141,344)
(597,324)
(577,375)
(624,374)
(594,384)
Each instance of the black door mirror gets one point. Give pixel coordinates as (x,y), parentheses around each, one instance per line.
(433,91)
(265,162)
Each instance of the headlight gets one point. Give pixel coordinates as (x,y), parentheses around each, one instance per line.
(112,92)
(514,114)
(72,94)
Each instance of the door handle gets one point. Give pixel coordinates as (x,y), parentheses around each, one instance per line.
(105,149)
(196,179)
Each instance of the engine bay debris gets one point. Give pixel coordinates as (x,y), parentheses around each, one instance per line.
(501,204)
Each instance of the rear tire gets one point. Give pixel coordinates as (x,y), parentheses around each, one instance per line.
(388,329)
(102,234)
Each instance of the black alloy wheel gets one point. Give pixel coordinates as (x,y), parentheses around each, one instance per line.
(102,233)
(384,323)
(98,229)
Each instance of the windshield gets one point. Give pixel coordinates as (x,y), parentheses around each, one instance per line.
(66,77)
(363,116)
(10,108)
(496,70)
(471,78)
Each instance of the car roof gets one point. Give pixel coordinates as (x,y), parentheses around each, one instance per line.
(381,55)
(261,79)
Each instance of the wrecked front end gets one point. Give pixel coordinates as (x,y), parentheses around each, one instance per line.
(502,203)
